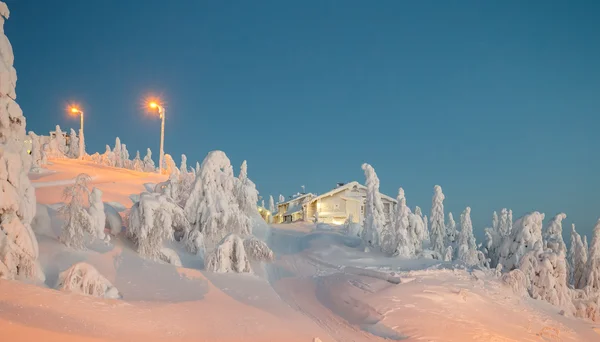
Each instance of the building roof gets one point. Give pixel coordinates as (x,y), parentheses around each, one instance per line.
(348,186)
(295,199)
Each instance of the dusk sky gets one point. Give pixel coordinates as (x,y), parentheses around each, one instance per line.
(496,101)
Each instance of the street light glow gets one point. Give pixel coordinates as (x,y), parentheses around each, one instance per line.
(153,105)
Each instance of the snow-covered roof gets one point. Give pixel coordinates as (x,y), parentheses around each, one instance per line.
(346,187)
(297,198)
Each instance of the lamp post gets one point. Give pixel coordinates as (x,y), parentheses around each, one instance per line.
(161,113)
(76,110)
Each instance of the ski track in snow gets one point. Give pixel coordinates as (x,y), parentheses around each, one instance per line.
(320,285)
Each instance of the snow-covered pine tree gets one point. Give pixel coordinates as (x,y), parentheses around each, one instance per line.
(125,157)
(97,214)
(553,234)
(271,208)
(36,152)
(170,166)
(77,220)
(138,165)
(592,271)
(281,199)
(467,247)
(212,207)
(148,162)
(58,144)
(107,158)
(404,237)
(155,218)
(247,197)
(183,166)
(451,231)
(117,155)
(438,230)
(73,144)
(18,245)
(526,235)
(197,168)
(374,214)
(578,255)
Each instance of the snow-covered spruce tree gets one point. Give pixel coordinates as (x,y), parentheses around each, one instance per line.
(183,167)
(170,166)
(117,155)
(78,220)
(84,279)
(417,232)
(138,165)
(73,144)
(374,214)
(546,274)
(36,152)
(451,231)
(271,208)
(108,157)
(125,157)
(403,236)
(247,197)
(552,235)
(427,235)
(197,168)
(578,256)
(526,235)
(592,271)
(438,230)
(467,247)
(212,207)
(500,231)
(18,245)
(148,162)
(97,214)
(155,218)
(281,199)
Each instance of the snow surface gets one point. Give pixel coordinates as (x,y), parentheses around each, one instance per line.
(320,285)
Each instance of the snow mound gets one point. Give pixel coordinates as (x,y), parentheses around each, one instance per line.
(170,256)
(517,281)
(84,279)
(258,250)
(229,256)
(114,221)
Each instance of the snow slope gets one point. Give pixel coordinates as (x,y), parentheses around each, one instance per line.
(320,285)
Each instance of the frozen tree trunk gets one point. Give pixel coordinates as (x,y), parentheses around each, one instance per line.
(438,230)
(374,214)
(18,245)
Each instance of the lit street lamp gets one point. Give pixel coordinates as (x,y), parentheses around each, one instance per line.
(161,113)
(75,110)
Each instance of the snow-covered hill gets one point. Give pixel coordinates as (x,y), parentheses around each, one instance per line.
(320,285)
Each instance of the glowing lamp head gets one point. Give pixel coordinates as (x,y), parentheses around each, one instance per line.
(153,105)
(75,110)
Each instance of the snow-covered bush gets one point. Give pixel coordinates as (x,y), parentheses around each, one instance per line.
(525,236)
(374,213)
(212,207)
(258,250)
(18,245)
(229,256)
(78,220)
(148,162)
(438,230)
(153,220)
(578,255)
(352,228)
(84,279)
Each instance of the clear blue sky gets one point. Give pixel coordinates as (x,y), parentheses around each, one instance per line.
(497,101)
